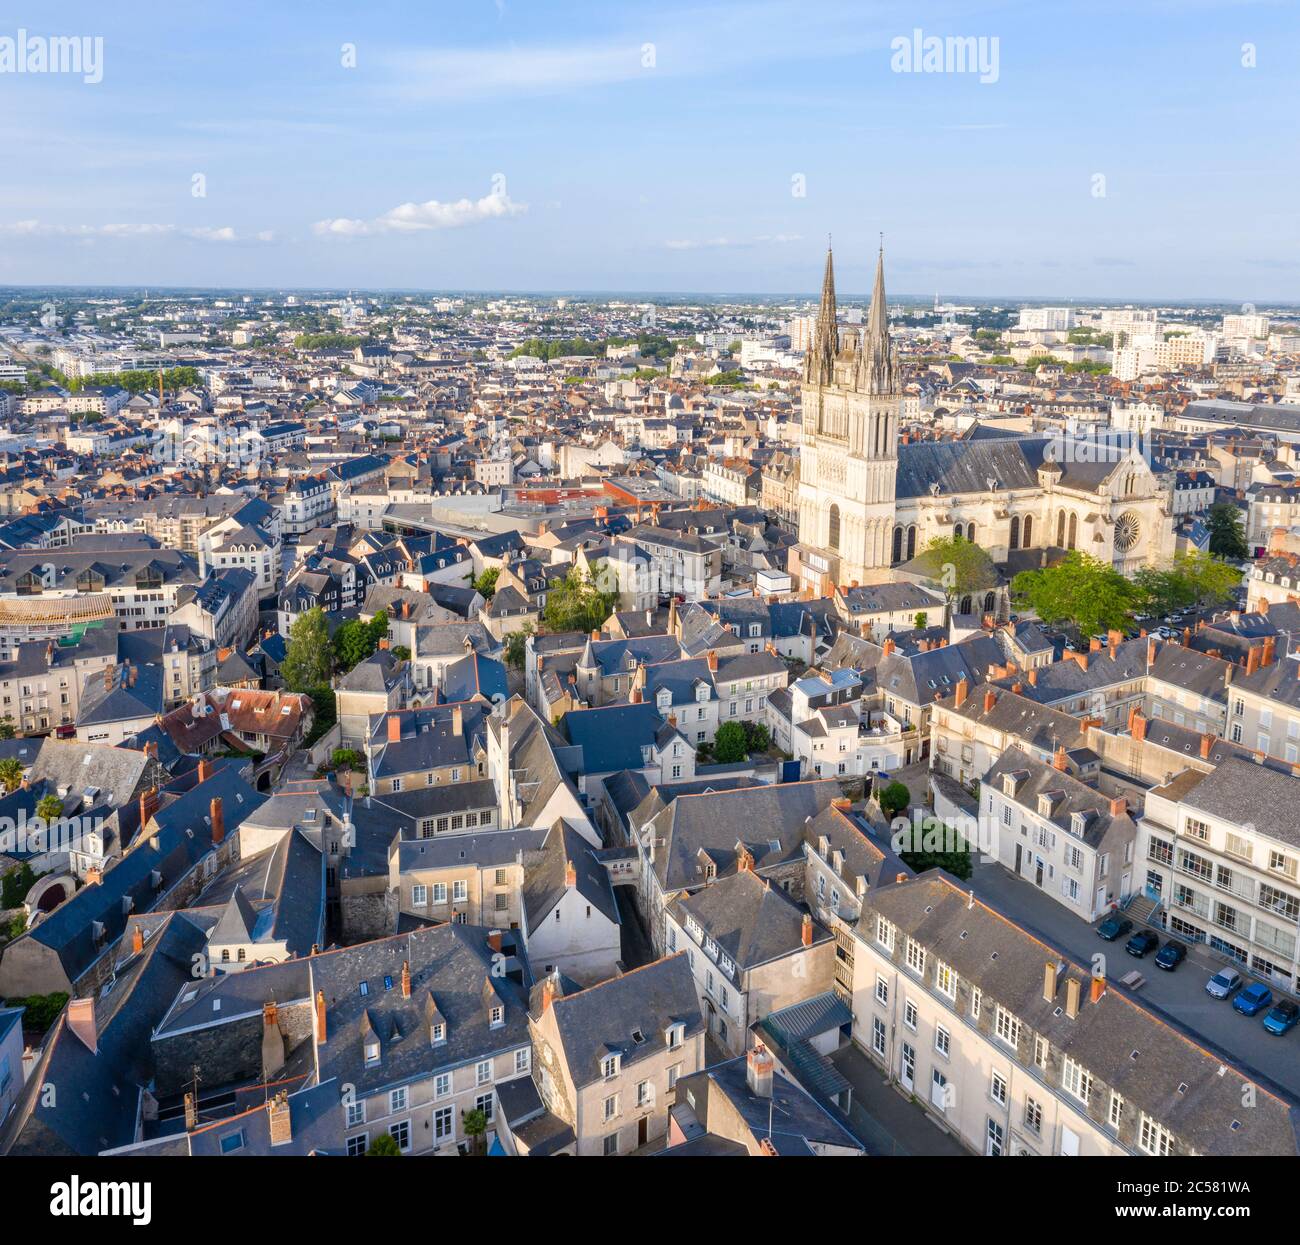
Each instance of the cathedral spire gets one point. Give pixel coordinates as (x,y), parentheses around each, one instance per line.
(819,366)
(879,372)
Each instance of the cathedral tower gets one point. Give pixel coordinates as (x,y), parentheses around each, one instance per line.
(852,403)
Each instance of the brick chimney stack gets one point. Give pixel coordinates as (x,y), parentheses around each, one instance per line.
(1118,806)
(218,816)
(394,729)
(1032,676)
(1252,661)
(990,699)
(888,646)
(280,1119)
(205,769)
(321,1032)
(1266,657)
(406,979)
(1207,746)
(137,939)
(457,721)
(570,875)
(1098,988)
(1060,760)
(963,688)
(759,1066)
(713,661)
(807,930)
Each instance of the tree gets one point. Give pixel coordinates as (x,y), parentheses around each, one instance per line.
(959,566)
(49,808)
(474,1122)
(1227,540)
(938,848)
(308,658)
(15,885)
(730,744)
(1078,589)
(401,652)
(6,727)
(486,584)
(355,640)
(921,621)
(11,773)
(1162,592)
(516,646)
(895,799)
(384,1145)
(757,737)
(576,604)
(345,758)
(1210,581)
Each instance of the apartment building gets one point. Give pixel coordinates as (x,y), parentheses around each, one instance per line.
(1264,704)
(1221,855)
(1058,833)
(608,1058)
(752,950)
(1018,1051)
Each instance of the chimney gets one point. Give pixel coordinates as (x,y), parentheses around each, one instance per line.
(807,930)
(1118,806)
(1153,647)
(406,979)
(279,1119)
(93,875)
(1098,988)
(759,1066)
(321,1032)
(1114,649)
(81,1020)
(394,729)
(1032,676)
(137,939)
(1017,687)
(151,749)
(1207,746)
(205,770)
(218,820)
(1094,645)
(1059,760)
(1138,727)
(383,641)
(1049,981)
(713,661)
(270,1015)
(1073,988)
(889,645)
(570,875)
(1266,657)
(494,941)
(191,1114)
(457,721)
(549,992)
(1252,661)
(963,688)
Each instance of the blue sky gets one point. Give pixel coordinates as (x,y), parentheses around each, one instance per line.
(513,145)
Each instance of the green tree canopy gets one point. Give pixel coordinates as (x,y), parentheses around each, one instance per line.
(308,658)
(385,1145)
(730,744)
(576,604)
(1079,589)
(958,565)
(11,773)
(1227,540)
(516,650)
(486,584)
(895,799)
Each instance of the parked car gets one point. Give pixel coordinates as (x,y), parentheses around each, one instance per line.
(1282,1019)
(1141,943)
(1171,955)
(1253,999)
(1114,927)
(1223,983)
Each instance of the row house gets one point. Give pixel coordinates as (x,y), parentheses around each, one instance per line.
(1018,1051)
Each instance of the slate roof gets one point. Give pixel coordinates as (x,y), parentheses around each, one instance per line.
(604,1019)
(612,737)
(544,876)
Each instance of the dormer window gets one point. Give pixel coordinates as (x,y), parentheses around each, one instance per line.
(372,1053)
(497,1017)
(609,1066)
(675,1035)
(437,1033)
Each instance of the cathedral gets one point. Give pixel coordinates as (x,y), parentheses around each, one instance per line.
(870,501)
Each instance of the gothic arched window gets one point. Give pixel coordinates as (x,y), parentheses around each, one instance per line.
(1028,534)
(965,606)
(1060,529)
(1074,529)
(970,532)
(898,545)
(957,532)
(990,602)
(1015,533)
(911,542)
(833,533)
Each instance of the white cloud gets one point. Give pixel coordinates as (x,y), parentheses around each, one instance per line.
(421,217)
(202,233)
